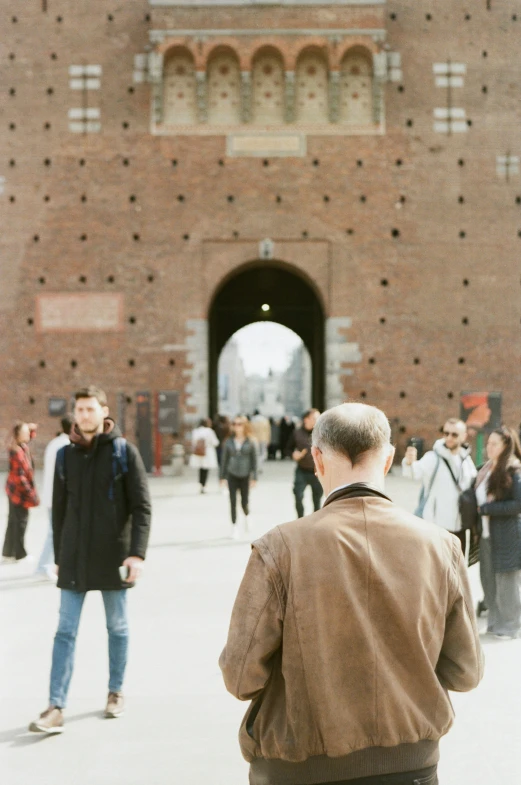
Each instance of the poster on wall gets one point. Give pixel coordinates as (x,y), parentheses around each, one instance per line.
(481,410)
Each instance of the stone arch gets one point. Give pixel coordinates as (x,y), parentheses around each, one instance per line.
(179,87)
(224,87)
(268,87)
(356,87)
(312,87)
(294,302)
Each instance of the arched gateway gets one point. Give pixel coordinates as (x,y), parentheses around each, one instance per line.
(293,302)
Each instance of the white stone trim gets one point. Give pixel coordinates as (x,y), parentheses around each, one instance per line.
(376,33)
(196,386)
(339,351)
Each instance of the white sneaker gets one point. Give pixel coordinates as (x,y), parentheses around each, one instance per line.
(235,531)
(246,524)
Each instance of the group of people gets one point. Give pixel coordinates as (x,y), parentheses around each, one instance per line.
(238,455)
(345,653)
(448,471)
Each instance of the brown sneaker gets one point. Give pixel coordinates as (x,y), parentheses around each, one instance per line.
(50,721)
(115,705)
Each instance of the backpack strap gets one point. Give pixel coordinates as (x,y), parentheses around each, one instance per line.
(119,461)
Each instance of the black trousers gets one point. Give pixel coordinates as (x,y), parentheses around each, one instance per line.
(15,532)
(241,484)
(304,478)
(203,476)
(422,777)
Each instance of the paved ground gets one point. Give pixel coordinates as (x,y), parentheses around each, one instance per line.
(181,725)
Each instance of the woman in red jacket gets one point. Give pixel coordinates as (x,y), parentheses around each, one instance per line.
(20,490)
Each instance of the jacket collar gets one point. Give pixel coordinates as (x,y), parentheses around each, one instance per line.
(355,490)
(444,452)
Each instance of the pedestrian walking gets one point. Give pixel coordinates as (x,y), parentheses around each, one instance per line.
(239,469)
(101,522)
(46,568)
(204,454)
(445,471)
(287,426)
(261,432)
(20,489)
(349,627)
(498,494)
(299,447)
(274,439)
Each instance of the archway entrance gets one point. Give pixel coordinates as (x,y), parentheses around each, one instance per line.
(292,301)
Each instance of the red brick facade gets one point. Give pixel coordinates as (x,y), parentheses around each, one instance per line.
(410,234)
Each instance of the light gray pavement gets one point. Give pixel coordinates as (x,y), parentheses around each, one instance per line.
(181,725)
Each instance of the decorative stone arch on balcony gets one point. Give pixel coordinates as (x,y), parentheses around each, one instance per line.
(356,87)
(224,87)
(312,86)
(268,87)
(179,87)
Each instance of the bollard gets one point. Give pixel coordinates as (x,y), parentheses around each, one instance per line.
(178,459)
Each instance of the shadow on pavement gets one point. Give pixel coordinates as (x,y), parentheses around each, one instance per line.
(22,737)
(187,545)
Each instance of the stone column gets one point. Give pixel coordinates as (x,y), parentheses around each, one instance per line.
(245,96)
(334,96)
(290,96)
(339,351)
(202,97)
(196,386)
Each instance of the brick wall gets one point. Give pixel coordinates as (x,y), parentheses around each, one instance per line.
(424,234)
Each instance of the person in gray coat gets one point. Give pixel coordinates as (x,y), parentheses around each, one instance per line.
(239,468)
(498,493)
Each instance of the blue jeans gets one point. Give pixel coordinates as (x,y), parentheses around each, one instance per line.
(47,555)
(65,641)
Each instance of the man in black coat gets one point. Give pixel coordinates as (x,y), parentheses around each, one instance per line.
(101,523)
(299,448)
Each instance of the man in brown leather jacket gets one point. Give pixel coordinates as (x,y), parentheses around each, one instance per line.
(350,626)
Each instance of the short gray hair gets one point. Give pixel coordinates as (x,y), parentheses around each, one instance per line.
(352,430)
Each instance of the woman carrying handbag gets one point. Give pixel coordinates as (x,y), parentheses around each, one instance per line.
(498,494)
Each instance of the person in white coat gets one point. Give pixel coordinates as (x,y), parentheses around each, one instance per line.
(46,568)
(445,471)
(204,454)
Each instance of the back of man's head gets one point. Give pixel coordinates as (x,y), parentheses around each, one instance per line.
(352,430)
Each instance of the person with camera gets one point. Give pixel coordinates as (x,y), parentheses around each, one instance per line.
(101,522)
(445,471)
(21,491)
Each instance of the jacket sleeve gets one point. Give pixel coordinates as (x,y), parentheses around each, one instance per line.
(255,633)
(460,664)
(59,505)
(138,502)
(508,507)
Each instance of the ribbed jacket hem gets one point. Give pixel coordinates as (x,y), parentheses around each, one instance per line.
(362,763)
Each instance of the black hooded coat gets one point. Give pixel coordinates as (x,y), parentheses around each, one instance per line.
(100,513)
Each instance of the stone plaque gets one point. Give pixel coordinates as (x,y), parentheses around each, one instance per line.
(267,145)
(83,312)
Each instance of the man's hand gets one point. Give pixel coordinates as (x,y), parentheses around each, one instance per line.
(223,483)
(253,483)
(135,565)
(411,455)
(297,455)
